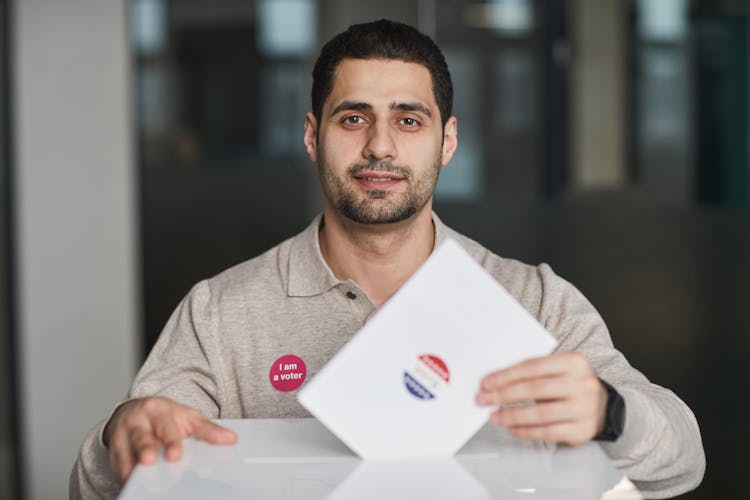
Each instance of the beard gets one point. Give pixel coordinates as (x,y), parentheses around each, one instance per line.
(378,206)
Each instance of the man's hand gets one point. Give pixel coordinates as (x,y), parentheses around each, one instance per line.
(138,426)
(552,398)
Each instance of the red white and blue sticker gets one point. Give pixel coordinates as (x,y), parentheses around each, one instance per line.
(428,377)
(287,373)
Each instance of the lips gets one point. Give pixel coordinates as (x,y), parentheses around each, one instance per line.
(378,177)
(378,181)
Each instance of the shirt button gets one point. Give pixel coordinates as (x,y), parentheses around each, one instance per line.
(351,295)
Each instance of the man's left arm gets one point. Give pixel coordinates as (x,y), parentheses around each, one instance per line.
(562,398)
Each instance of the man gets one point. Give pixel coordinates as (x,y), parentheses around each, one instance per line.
(380,131)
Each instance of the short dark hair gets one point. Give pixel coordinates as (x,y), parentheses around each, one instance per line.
(382,40)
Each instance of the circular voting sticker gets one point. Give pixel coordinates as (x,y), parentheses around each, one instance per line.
(427,378)
(287,373)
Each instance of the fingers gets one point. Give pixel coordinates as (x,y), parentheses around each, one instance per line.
(197,426)
(215,434)
(558,376)
(559,421)
(546,366)
(170,434)
(143,445)
(121,460)
(536,414)
(131,441)
(121,456)
(533,389)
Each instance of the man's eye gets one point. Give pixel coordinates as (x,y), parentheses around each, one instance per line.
(354,120)
(409,122)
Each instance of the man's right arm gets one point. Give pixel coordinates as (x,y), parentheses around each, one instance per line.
(132,436)
(138,427)
(178,370)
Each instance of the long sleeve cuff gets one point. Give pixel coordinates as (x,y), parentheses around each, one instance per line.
(660,441)
(92,477)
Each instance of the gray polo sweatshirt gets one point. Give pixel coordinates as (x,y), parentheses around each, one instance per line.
(217,349)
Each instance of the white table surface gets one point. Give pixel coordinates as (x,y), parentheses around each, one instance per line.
(299,459)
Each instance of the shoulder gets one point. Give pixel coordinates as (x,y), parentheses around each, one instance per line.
(266,269)
(536,287)
(517,277)
(233,292)
(262,277)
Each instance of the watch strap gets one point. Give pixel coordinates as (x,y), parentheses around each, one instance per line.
(614,420)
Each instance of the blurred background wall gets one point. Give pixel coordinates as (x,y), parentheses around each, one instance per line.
(148,144)
(76,324)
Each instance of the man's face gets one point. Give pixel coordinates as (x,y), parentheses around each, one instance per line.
(380,143)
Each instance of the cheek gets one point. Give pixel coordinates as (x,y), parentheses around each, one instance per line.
(342,149)
(422,152)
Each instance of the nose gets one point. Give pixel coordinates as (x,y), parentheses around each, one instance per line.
(380,144)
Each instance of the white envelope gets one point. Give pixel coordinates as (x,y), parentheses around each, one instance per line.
(405,385)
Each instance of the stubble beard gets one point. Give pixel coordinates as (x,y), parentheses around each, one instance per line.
(378,206)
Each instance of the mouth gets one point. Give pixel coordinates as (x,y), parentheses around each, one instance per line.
(378,180)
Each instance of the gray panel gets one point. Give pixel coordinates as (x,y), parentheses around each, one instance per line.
(76,292)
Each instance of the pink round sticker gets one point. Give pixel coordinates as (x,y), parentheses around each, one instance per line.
(287,373)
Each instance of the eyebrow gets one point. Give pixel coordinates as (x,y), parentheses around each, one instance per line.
(411,106)
(395,106)
(351,106)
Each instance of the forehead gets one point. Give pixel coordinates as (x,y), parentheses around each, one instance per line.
(381,82)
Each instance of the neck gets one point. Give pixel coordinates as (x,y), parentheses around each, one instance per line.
(378,257)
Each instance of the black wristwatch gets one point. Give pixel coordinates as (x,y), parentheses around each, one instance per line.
(614,421)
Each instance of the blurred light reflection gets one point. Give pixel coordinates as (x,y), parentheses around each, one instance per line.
(662,20)
(508,17)
(286,28)
(148,25)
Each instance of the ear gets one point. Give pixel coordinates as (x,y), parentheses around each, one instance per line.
(450,140)
(311,137)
